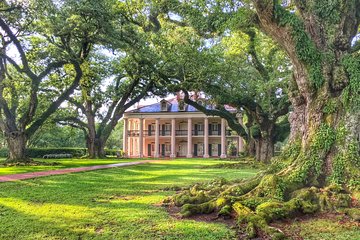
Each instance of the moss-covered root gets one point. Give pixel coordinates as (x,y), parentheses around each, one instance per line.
(259,201)
(255,214)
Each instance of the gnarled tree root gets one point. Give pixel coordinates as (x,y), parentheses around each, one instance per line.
(257,202)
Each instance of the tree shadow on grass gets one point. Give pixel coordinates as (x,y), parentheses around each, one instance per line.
(111,220)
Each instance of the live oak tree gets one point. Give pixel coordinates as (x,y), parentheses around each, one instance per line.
(110,87)
(53,40)
(26,77)
(320,168)
(107,91)
(253,78)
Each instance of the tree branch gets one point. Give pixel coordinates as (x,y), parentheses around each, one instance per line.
(54,105)
(230,118)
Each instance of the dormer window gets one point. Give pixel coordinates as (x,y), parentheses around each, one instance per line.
(164,106)
(182,106)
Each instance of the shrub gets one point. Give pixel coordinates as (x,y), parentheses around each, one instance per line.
(75,152)
(40,152)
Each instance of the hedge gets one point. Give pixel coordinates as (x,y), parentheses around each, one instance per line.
(40,152)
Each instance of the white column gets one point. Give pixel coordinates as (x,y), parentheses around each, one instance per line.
(206,137)
(189,139)
(173,149)
(141,139)
(223,139)
(241,140)
(125,137)
(157,138)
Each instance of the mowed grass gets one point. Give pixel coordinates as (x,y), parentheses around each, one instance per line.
(61,163)
(119,203)
(317,229)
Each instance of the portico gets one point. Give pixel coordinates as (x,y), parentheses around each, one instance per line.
(176,134)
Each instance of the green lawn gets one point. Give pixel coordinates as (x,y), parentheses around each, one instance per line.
(63,163)
(118,203)
(326,229)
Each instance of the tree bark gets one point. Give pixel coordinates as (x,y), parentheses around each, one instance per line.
(96,147)
(264,149)
(320,116)
(16,142)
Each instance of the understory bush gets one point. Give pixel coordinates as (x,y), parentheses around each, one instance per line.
(75,152)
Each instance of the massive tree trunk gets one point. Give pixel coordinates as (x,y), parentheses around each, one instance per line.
(264,149)
(322,92)
(96,147)
(321,165)
(16,142)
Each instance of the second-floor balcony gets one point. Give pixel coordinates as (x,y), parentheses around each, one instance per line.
(149,133)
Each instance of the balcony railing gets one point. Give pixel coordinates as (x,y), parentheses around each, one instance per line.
(133,133)
(197,132)
(146,133)
(181,132)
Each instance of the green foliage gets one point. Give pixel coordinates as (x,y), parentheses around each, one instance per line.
(351,94)
(292,150)
(330,106)
(40,152)
(311,162)
(346,166)
(55,136)
(75,152)
(304,46)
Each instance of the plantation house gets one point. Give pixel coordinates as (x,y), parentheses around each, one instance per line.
(171,128)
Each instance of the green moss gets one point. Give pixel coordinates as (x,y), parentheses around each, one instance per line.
(330,106)
(271,186)
(354,213)
(304,46)
(225,211)
(346,166)
(292,206)
(221,201)
(251,230)
(351,94)
(253,202)
(186,197)
(240,209)
(312,163)
(272,210)
(341,200)
(192,209)
(292,150)
(309,207)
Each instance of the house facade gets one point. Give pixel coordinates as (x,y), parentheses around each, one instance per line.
(172,129)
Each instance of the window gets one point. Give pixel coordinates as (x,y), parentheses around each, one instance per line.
(164,106)
(167,147)
(214,127)
(182,106)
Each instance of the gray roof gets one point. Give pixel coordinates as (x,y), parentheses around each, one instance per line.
(173,106)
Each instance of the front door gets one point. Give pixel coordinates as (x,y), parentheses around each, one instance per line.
(195,150)
(210,150)
(183,149)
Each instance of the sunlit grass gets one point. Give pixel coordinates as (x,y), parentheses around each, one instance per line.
(326,229)
(62,163)
(119,203)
